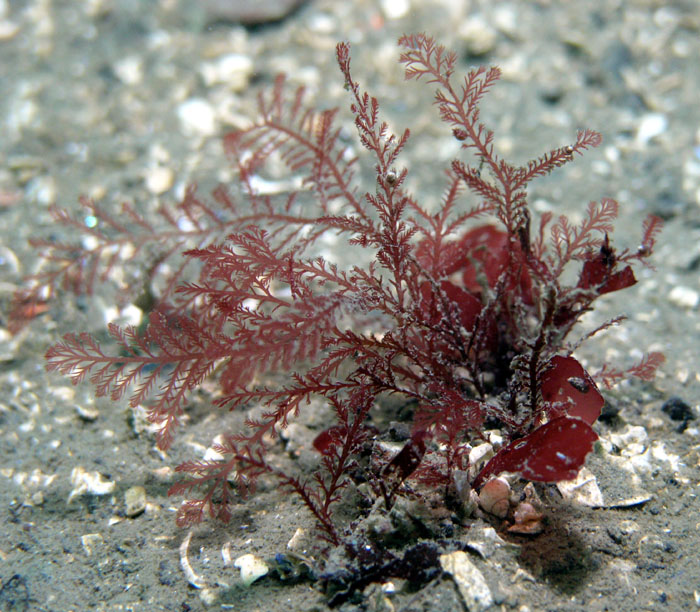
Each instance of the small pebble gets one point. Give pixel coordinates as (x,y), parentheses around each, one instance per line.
(506,19)
(129,70)
(197,117)
(42,189)
(469,580)
(651,126)
(479,37)
(395,9)
(87,413)
(159,180)
(8,29)
(652,546)
(134,501)
(232,69)
(631,434)
(208,596)
(322,23)
(91,541)
(678,410)
(624,533)
(684,297)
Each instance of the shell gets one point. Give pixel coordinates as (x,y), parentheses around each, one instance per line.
(494,497)
(527,520)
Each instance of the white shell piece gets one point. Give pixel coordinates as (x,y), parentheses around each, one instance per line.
(298,540)
(89,482)
(192,577)
(134,501)
(251,567)
(479,453)
(632,434)
(226,554)
(91,541)
(583,489)
(197,117)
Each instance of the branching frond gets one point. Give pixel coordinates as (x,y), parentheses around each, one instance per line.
(556,158)
(305,140)
(574,242)
(645,370)
(460,317)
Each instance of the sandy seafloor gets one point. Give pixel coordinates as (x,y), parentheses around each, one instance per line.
(91,103)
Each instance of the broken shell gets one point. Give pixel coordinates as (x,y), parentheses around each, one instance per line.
(494,497)
(93,483)
(197,581)
(252,568)
(526,512)
(299,541)
(527,520)
(134,501)
(531,495)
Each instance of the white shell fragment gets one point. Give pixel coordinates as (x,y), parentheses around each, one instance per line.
(197,117)
(232,69)
(251,567)
(479,453)
(616,476)
(299,541)
(583,489)
(684,297)
(87,413)
(134,501)
(485,541)
(159,179)
(469,580)
(478,35)
(91,542)
(89,482)
(192,577)
(494,497)
(651,126)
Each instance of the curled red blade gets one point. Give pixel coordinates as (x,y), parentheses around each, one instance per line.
(553,452)
(565,381)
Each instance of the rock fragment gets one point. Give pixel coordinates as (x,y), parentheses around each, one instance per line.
(678,410)
(469,580)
